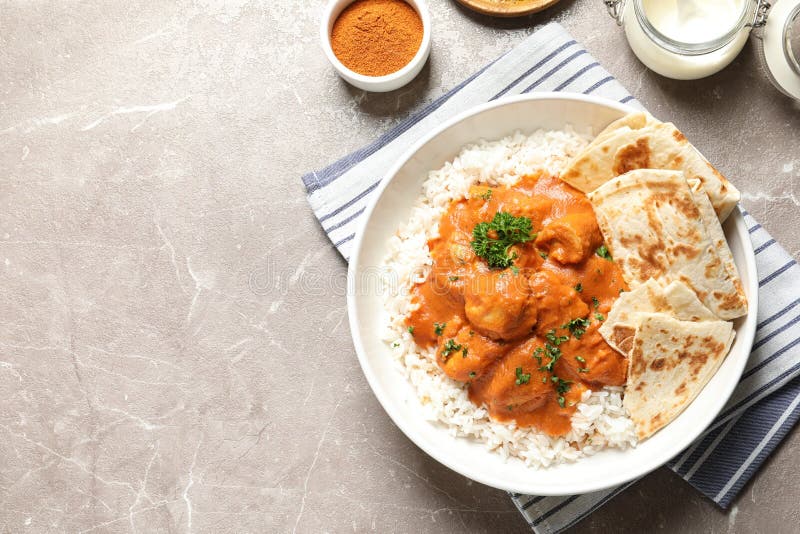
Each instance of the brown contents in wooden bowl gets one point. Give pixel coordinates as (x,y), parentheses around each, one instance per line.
(377,37)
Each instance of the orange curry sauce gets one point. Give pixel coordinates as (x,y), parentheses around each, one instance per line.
(494,327)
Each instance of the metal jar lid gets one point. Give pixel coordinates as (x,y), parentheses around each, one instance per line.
(781,46)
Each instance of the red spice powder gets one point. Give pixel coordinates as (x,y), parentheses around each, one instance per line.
(377,37)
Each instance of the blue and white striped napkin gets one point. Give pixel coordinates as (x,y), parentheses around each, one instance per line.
(763,408)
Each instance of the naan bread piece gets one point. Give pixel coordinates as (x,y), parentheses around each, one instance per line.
(670,363)
(676,300)
(655,145)
(631,121)
(654,229)
(717,235)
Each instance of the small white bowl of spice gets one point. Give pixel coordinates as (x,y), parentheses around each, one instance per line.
(377,45)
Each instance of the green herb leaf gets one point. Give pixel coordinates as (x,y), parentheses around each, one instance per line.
(554,353)
(583,369)
(543,254)
(522,378)
(562,386)
(452,278)
(450,346)
(537,354)
(603,252)
(487,195)
(599,317)
(579,288)
(515,269)
(491,240)
(438,328)
(555,340)
(472,374)
(580,359)
(411,330)
(577,327)
(464,352)
(595,302)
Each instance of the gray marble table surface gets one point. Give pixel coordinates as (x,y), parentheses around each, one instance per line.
(167,363)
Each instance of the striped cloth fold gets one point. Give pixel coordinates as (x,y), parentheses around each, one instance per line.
(764,406)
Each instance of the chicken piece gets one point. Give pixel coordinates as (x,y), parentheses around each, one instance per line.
(466,356)
(523,205)
(570,239)
(453,261)
(514,382)
(460,249)
(592,360)
(499,304)
(561,301)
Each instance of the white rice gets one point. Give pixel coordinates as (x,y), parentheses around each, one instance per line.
(600,421)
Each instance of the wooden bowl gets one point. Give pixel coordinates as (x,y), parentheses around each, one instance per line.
(507,8)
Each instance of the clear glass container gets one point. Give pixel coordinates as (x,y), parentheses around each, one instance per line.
(691,39)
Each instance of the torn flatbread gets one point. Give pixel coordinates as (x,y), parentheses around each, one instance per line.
(670,363)
(638,141)
(654,229)
(676,300)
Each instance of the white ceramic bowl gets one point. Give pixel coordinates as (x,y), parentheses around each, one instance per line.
(377,84)
(392,206)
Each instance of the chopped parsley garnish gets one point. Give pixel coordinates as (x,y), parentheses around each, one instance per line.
(550,350)
(438,328)
(583,369)
(579,287)
(599,317)
(595,302)
(452,278)
(562,387)
(543,254)
(464,352)
(603,252)
(411,330)
(537,354)
(450,346)
(522,378)
(487,195)
(544,380)
(580,359)
(515,269)
(555,340)
(395,344)
(472,374)
(554,353)
(491,240)
(577,327)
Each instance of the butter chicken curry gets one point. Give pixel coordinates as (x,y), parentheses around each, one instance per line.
(520,283)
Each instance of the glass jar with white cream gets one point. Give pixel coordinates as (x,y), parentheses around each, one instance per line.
(691,39)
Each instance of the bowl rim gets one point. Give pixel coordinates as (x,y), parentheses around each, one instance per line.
(680,442)
(326,25)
